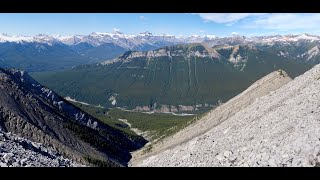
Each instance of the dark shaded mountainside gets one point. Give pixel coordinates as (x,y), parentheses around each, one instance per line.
(54,57)
(176,78)
(33,111)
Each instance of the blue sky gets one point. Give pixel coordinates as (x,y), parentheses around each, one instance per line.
(219,24)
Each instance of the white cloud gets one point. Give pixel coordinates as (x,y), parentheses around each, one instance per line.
(202,31)
(266,21)
(235,33)
(285,22)
(142,18)
(226,18)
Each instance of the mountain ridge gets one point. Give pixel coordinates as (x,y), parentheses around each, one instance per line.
(97,39)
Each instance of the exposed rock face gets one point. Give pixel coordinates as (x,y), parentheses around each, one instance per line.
(163,108)
(20,152)
(142,108)
(193,50)
(186,108)
(173,109)
(263,126)
(35,112)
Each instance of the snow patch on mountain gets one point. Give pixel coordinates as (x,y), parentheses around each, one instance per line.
(313,52)
(283,54)
(7,38)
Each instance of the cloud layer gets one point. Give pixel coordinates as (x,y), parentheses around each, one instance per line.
(226,17)
(271,21)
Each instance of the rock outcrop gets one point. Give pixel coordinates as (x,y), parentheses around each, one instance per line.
(280,128)
(192,50)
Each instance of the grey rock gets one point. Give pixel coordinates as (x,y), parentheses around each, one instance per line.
(3,164)
(16,155)
(227,154)
(7,156)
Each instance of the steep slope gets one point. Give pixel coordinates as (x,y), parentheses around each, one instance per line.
(33,111)
(174,78)
(278,129)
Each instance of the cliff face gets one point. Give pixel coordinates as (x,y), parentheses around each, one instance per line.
(33,111)
(192,50)
(277,128)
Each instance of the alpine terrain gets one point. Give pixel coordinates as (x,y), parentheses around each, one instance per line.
(55,52)
(263,126)
(184,78)
(169,89)
(113,99)
(20,152)
(44,52)
(32,111)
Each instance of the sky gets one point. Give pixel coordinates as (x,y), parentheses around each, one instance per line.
(179,24)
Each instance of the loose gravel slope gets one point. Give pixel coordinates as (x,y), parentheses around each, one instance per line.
(281,128)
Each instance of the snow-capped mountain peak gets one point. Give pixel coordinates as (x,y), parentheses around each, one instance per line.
(167,35)
(146,33)
(210,36)
(131,41)
(17,39)
(44,38)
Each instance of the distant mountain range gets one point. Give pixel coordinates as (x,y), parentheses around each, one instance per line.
(149,72)
(54,53)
